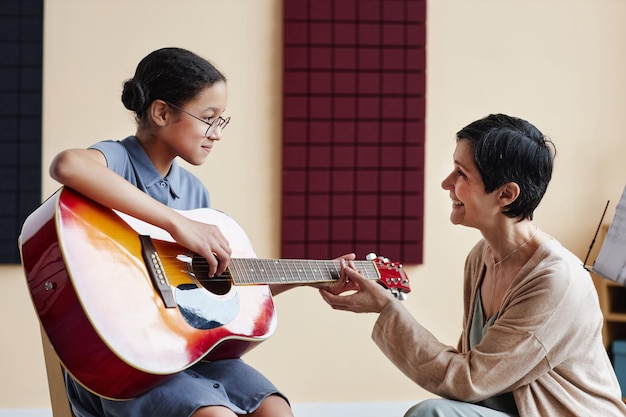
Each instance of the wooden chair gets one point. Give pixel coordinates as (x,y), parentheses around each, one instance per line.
(56,384)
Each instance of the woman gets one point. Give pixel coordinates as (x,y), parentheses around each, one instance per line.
(178,99)
(531,343)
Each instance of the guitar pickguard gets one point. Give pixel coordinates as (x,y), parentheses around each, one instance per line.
(204,310)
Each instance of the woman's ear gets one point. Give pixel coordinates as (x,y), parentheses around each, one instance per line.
(159,112)
(508,193)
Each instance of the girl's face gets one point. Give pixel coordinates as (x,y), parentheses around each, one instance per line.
(187,134)
(471,205)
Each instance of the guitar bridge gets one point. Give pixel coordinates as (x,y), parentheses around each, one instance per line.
(157,273)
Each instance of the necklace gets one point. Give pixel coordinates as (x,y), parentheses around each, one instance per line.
(497,264)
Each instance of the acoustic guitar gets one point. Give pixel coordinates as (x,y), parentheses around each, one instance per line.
(125,307)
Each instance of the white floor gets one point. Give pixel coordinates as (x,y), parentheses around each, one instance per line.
(25,412)
(382,409)
(386,409)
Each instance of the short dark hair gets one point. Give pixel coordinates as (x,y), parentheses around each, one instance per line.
(174,75)
(510,149)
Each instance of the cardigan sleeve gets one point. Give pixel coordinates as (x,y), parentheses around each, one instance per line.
(532,335)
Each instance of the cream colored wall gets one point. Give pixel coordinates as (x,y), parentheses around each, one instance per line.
(558,63)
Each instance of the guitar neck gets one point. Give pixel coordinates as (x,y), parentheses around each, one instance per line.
(247,271)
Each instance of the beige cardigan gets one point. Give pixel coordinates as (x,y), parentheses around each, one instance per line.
(546,346)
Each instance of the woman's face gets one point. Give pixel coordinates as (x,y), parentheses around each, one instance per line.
(471,205)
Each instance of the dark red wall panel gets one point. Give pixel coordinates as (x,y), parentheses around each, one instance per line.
(353,128)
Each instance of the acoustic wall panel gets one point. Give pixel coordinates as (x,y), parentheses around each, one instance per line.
(21,40)
(353,128)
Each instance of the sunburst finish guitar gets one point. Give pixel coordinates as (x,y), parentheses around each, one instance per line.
(125,307)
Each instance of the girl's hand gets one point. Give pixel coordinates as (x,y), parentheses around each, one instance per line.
(206,240)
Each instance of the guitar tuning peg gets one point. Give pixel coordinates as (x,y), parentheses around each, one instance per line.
(371,256)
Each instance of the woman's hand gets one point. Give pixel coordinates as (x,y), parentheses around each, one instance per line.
(279,288)
(337,286)
(367,296)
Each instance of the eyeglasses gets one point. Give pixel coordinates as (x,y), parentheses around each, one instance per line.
(218,123)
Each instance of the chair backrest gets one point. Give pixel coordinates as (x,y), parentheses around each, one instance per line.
(56,384)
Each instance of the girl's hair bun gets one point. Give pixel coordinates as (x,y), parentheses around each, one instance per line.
(134,95)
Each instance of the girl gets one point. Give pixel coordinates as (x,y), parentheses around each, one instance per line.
(178,99)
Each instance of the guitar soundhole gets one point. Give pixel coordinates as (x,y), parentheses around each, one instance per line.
(219,284)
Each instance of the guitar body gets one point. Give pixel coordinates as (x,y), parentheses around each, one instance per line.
(99,307)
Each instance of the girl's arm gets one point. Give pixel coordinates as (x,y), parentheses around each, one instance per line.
(85,171)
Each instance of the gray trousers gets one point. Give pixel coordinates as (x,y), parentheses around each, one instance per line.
(451,408)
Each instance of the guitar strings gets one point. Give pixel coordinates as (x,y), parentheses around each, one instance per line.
(333,267)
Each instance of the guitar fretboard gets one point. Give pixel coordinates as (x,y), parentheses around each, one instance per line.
(285,271)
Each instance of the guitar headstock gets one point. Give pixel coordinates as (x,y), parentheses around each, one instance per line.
(392,276)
